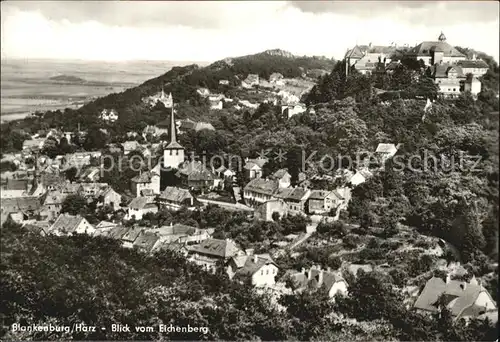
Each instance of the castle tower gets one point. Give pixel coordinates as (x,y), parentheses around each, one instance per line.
(166,100)
(173,154)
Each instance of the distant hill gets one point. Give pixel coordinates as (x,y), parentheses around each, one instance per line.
(68,78)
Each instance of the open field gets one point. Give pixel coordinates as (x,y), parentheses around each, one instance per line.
(26,85)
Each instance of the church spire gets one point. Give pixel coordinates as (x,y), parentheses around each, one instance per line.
(173,137)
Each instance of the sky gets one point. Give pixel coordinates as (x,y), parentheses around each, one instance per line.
(208,31)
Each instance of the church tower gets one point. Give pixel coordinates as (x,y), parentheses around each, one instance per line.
(173,154)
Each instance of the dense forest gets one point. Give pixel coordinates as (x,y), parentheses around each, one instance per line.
(79,279)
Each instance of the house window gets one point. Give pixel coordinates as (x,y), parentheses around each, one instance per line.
(267,272)
(262,272)
(170,152)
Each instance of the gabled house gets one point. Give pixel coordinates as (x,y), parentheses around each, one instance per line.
(33,144)
(129,146)
(67,224)
(282,177)
(277,79)
(386,151)
(193,174)
(318,278)
(130,236)
(149,180)
(52,204)
(463,299)
(250,81)
(102,193)
(175,198)
(141,206)
(20,208)
(295,198)
(449,78)
(293,109)
(211,251)
(260,268)
(146,242)
(104,226)
(266,210)
(323,201)
(476,67)
(224,173)
(360,177)
(253,167)
(259,190)
(182,234)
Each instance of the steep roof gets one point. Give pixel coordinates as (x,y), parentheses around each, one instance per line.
(117,232)
(175,230)
(144,177)
(479,63)
(319,194)
(262,186)
(297,194)
(17,184)
(142,202)
(216,248)
(20,204)
(386,148)
(436,287)
(250,163)
(131,234)
(174,194)
(54,197)
(146,241)
(280,174)
(442,70)
(66,223)
(106,224)
(329,279)
(249,264)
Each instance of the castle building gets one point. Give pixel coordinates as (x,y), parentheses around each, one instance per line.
(436,52)
(173,154)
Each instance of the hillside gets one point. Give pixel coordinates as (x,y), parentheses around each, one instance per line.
(183,81)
